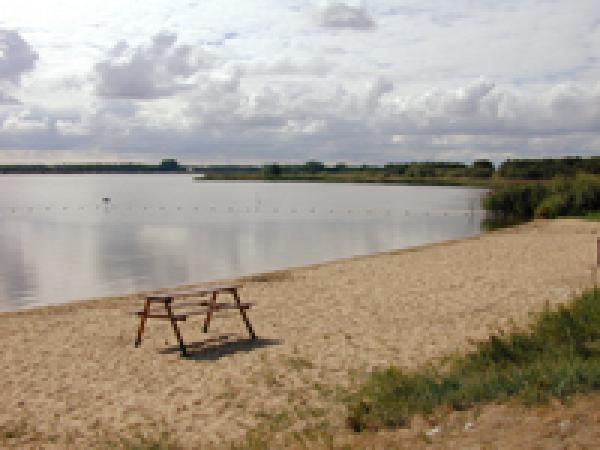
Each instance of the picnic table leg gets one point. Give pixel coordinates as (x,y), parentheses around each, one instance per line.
(212,305)
(243,314)
(175,328)
(143,319)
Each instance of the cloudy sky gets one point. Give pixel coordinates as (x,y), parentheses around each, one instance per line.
(230,81)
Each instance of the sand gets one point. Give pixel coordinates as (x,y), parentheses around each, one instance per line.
(70,375)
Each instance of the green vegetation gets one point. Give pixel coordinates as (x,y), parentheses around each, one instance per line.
(166,165)
(545,169)
(449,172)
(479,173)
(519,202)
(557,357)
(595,216)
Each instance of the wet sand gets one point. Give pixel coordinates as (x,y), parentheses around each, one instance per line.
(70,375)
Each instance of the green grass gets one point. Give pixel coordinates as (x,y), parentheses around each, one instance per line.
(594,216)
(557,357)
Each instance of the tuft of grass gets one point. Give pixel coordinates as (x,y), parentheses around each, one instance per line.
(557,357)
(299,363)
(162,440)
(15,430)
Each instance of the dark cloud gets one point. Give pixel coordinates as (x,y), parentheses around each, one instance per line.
(340,15)
(16,56)
(146,72)
(376,90)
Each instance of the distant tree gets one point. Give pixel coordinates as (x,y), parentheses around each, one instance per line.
(482,168)
(314,166)
(483,164)
(169,165)
(395,168)
(420,170)
(271,170)
(340,167)
(549,168)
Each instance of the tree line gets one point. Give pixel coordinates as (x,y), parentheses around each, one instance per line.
(165,166)
(517,169)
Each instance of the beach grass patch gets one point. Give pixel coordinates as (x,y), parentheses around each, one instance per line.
(14,430)
(160,441)
(558,356)
(299,363)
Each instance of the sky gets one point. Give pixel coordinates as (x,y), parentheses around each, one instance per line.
(257,81)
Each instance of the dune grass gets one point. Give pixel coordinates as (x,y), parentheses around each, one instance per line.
(557,357)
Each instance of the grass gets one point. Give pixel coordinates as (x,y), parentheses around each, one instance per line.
(160,441)
(15,430)
(299,363)
(593,216)
(557,357)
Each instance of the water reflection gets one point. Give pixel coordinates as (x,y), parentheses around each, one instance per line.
(59,242)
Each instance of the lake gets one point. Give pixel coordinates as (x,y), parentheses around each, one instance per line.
(68,237)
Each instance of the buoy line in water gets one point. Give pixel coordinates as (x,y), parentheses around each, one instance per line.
(311,210)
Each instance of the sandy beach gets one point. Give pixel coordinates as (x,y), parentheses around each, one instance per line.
(71,377)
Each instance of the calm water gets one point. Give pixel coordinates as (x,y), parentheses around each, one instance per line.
(60,242)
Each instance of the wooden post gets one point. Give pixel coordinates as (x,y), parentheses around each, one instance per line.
(143,319)
(212,305)
(175,328)
(243,313)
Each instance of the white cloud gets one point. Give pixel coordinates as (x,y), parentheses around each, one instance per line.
(160,69)
(304,126)
(70,127)
(23,122)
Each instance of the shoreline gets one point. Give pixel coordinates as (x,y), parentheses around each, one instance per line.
(271,275)
(253,277)
(71,376)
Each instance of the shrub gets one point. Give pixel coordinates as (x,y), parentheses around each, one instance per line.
(515,203)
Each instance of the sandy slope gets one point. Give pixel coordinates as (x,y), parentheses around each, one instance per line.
(70,374)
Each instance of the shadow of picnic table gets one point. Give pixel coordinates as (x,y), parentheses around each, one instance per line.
(214,348)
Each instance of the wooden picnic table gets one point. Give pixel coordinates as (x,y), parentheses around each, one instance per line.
(173,309)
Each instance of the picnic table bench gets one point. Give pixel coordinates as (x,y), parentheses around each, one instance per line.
(174,313)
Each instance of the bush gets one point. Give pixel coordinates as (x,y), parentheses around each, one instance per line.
(515,203)
(553,206)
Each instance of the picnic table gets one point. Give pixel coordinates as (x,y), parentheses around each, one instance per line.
(172,309)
